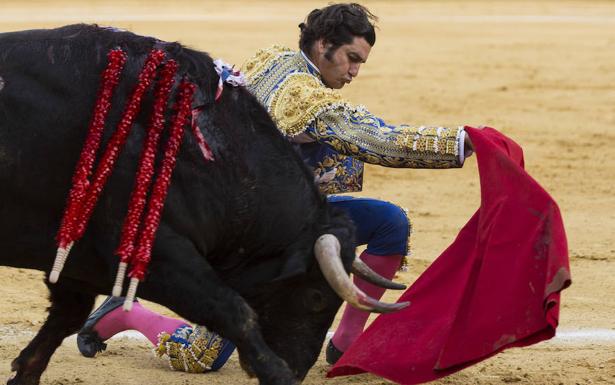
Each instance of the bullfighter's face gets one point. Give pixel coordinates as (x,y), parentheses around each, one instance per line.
(338,67)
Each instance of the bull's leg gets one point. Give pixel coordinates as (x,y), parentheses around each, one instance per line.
(189,286)
(240,326)
(69,309)
(210,302)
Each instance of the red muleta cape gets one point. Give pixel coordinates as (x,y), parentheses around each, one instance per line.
(496,286)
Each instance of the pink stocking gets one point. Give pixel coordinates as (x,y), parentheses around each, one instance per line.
(353,321)
(143,320)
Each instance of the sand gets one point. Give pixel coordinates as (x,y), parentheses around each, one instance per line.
(541,72)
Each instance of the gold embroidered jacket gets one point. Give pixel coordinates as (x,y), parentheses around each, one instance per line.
(335,137)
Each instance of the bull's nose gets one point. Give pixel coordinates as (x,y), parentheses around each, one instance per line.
(2,83)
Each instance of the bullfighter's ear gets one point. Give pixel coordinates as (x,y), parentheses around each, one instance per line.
(296,263)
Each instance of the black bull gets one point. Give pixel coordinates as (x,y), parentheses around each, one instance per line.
(235,246)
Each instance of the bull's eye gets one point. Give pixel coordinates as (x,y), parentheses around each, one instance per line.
(314,300)
(2,83)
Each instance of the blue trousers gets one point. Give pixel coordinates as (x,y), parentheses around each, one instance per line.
(382,226)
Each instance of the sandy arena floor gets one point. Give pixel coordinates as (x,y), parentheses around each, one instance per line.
(541,72)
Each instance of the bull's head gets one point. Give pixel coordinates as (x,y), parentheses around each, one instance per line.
(296,316)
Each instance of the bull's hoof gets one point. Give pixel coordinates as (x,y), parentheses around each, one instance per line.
(88,340)
(19,379)
(15,365)
(279,376)
(279,381)
(19,368)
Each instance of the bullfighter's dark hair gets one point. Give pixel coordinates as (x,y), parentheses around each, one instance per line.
(337,24)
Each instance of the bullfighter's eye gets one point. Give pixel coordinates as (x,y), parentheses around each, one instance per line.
(314,300)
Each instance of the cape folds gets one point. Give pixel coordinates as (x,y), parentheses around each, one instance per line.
(496,286)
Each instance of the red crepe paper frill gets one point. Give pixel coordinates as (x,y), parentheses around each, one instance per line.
(118,139)
(145,172)
(110,80)
(85,192)
(146,164)
(152,219)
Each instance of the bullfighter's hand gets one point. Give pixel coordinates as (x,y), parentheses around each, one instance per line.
(468,147)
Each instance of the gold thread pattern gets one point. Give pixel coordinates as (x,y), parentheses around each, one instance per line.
(189,350)
(348,174)
(358,133)
(297,100)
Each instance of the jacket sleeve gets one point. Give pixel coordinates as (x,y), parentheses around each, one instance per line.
(355,132)
(301,106)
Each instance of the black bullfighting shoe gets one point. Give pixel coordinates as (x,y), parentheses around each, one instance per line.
(333,354)
(88,340)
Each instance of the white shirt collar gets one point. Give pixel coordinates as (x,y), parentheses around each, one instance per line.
(310,62)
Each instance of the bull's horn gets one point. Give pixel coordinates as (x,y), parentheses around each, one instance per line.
(327,251)
(361,269)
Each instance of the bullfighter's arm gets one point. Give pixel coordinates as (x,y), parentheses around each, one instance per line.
(306,110)
(358,133)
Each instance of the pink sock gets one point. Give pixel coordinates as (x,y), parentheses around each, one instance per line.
(143,320)
(353,320)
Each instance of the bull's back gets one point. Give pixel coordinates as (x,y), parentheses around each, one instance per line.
(50,82)
(51,78)
(257,187)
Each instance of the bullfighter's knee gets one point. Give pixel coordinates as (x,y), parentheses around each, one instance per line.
(392,234)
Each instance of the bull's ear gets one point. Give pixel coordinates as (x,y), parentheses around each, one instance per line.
(296,263)
(340,225)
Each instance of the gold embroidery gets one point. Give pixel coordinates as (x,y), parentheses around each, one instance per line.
(255,66)
(434,140)
(355,132)
(404,264)
(196,356)
(348,174)
(408,249)
(298,100)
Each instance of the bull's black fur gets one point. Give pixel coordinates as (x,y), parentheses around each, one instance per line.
(234,250)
